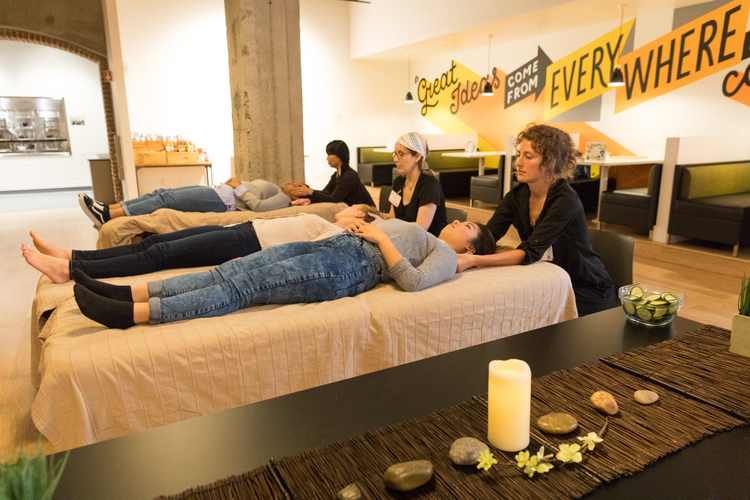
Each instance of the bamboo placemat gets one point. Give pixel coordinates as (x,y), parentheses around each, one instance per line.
(696,364)
(637,436)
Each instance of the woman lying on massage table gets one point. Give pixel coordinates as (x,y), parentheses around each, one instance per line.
(340,266)
(192,247)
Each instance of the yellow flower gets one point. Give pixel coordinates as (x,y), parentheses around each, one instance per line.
(522,458)
(486,460)
(569,453)
(590,440)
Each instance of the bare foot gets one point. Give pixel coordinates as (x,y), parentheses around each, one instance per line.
(51,249)
(55,269)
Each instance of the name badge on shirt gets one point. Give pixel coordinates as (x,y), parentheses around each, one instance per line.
(548,257)
(394,199)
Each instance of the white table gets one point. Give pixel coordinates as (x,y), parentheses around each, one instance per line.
(613,161)
(479,154)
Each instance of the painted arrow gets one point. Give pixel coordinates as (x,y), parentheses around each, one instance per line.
(528,79)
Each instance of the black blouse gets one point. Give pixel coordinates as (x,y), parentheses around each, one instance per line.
(346,187)
(426,191)
(560,225)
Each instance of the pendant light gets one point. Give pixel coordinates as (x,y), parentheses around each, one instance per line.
(487,90)
(616,79)
(409,98)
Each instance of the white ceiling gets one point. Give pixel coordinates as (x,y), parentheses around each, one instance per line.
(578,13)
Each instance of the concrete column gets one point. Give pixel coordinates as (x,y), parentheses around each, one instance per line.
(265,78)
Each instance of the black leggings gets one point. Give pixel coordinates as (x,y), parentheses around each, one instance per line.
(193,247)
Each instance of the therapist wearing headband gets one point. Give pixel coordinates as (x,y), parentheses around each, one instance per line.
(416,195)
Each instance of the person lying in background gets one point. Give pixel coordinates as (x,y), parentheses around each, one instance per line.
(345,185)
(343,265)
(234,194)
(192,247)
(416,195)
(549,218)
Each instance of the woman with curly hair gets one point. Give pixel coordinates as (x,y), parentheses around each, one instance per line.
(549,218)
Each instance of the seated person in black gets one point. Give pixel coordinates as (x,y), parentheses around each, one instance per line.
(417,195)
(344,185)
(549,218)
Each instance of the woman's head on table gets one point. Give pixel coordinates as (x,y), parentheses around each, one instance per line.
(410,154)
(544,154)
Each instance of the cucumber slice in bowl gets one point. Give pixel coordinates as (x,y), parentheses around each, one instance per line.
(629,308)
(644,313)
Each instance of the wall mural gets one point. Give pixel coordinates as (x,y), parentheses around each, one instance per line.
(568,91)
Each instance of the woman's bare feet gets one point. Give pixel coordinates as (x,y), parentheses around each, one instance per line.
(50,249)
(58,270)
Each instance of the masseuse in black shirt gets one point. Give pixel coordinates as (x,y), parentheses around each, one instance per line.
(416,195)
(549,218)
(344,186)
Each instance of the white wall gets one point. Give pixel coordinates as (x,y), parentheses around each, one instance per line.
(32,70)
(359,102)
(177,73)
(386,24)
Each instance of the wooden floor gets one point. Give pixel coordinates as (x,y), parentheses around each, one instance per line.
(709,278)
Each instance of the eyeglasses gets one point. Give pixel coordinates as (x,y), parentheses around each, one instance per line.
(400,154)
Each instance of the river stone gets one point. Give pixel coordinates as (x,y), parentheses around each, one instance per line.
(350,492)
(605,402)
(557,423)
(645,397)
(408,475)
(466,451)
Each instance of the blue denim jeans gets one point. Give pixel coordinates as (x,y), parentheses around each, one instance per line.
(192,247)
(184,199)
(340,266)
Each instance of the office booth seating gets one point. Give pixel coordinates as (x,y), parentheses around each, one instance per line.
(616,253)
(712,202)
(374,168)
(634,207)
(486,188)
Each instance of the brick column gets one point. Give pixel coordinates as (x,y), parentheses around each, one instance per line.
(266,84)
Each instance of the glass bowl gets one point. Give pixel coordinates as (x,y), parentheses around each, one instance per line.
(650,305)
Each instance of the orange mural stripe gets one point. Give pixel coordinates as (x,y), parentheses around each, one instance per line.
(696,50)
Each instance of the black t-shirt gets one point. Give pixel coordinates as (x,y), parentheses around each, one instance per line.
(426,191)
(346,187)
(560,225)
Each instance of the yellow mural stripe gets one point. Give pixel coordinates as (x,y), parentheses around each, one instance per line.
(702,47)
(584,74)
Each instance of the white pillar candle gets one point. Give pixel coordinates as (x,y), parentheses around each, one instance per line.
(509,405)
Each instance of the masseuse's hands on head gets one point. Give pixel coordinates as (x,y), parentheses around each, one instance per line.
(300,189)
(368,231)
(465,261)
(233,182)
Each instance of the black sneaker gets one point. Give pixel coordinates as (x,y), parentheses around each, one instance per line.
(93,209)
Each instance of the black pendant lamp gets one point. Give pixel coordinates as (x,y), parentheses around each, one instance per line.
(487,90)
(616,79)
(409,98)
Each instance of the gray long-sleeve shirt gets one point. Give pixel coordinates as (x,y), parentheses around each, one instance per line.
(258,196)
(426,261)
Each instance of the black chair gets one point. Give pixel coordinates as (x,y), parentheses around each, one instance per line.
(456,214)
(616,253)
(383,204)
(633,207)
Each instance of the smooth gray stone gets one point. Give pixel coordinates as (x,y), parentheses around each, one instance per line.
(646,397)
(408,475)
(557,423)
(349,492)
(466,451)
